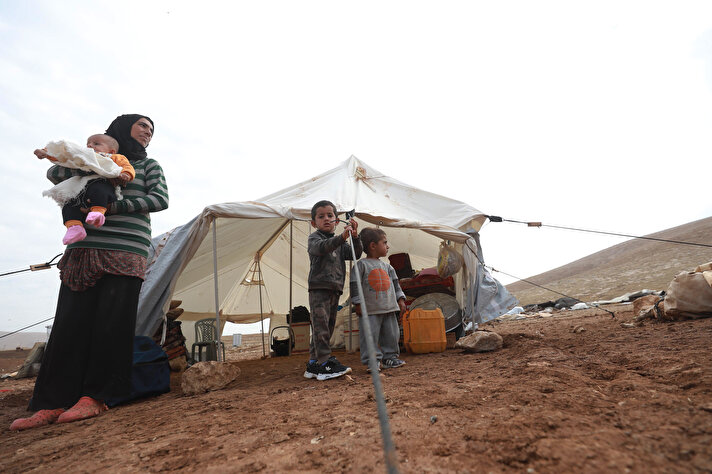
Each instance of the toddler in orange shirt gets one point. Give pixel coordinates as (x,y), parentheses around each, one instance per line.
(98,193)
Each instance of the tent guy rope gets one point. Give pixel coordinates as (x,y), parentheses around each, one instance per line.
(548,289)
(34,268)
(388,446)
(536,284)
(27,327)
(618,234)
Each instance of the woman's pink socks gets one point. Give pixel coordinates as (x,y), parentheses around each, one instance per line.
(41,418)
(85,408)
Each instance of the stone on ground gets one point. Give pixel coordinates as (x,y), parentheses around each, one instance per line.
(480,341)
(206,376)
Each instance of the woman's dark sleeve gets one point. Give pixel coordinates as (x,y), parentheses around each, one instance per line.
(156,198)
(56,174)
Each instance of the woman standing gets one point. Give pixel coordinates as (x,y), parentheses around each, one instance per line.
(89,354)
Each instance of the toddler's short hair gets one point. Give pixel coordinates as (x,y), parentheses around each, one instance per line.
(108,139)
(113,143)
(322,204)
(371,235)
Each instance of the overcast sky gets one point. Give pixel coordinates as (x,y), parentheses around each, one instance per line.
(585,114)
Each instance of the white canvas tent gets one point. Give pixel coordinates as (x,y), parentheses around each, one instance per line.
(256,262)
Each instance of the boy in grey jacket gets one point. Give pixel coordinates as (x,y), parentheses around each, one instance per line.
(327,254)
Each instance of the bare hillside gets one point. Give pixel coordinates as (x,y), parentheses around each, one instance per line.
(631,266)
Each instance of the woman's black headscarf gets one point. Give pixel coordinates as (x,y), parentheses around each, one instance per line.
(120,130)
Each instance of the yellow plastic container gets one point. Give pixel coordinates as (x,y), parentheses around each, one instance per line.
(424,331)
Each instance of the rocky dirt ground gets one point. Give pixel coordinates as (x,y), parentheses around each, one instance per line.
(573,392)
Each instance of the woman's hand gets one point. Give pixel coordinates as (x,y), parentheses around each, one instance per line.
(121,180)
(357,308)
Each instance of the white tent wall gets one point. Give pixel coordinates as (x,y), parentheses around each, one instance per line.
(239,241)
(239,299)
(414,220)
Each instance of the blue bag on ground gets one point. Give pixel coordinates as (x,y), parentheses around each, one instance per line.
(150,373)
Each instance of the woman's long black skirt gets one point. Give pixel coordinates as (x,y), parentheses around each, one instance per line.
(90,348)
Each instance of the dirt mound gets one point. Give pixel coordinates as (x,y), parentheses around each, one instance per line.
(10,361)
(568,393)
(624,268)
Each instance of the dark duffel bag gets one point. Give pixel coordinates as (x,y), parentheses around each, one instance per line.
(150,374)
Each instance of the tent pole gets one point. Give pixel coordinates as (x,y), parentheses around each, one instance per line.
(262,325)
(351,344)
(291,260)
(215,278)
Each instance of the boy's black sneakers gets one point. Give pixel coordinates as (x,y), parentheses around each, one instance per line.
(331,369)
(393,363)
(312,370)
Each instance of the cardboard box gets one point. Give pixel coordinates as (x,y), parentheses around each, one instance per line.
(352,344)
(302,337)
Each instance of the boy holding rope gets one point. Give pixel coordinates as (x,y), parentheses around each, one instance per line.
(327,254)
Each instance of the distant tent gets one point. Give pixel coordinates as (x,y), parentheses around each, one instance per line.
(260,248)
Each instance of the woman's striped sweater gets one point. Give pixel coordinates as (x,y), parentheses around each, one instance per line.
(128,224)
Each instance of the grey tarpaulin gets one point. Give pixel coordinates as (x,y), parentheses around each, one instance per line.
(490,299)
(157,289)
